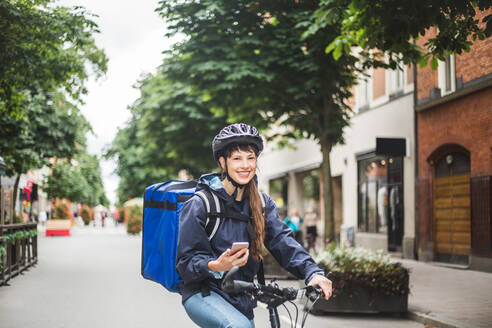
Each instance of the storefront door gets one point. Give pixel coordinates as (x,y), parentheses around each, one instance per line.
(451,209)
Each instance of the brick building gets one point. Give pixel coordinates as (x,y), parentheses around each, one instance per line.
(454,142)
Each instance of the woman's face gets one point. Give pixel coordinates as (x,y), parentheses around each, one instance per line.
(241,165)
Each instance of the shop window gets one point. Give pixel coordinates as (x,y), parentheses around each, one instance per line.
(380,197)
(278,189)
(372,192)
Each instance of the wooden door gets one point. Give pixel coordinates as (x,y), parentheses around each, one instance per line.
(452,223)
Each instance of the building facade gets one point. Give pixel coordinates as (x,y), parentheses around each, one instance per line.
(414,175)
(454,120)
(373,188)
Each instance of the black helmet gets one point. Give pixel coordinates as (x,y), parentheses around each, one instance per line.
(240,133)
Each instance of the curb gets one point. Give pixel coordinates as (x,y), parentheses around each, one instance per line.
(435,320)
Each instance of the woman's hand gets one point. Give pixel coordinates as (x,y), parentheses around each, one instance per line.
(323,283)
(227,260)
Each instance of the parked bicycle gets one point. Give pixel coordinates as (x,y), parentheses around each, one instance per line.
(273,296)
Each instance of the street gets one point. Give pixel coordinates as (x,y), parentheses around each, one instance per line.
(92,279)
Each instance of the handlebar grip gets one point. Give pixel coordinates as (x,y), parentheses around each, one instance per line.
(236,286)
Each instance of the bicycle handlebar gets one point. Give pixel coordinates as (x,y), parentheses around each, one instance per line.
(265,293)
(270,294)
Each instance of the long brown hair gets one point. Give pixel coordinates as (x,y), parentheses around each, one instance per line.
(255,204)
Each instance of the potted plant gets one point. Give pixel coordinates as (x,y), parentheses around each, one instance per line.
(364,281)
(85,213)
(61,223)
(133,215)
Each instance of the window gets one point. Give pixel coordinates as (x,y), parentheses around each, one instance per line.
(396,80)
(378,83)
(362,93)
(447,75)
(372,194)
(380,196)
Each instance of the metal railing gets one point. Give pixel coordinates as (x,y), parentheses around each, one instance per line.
(18,249)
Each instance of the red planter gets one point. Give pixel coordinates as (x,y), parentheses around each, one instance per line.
(57,232)
(58,227)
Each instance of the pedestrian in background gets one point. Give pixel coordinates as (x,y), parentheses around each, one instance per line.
(311,229)
(295,221)
(42,217)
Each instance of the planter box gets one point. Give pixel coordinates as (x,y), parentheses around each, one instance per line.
(363,302)
(58,227)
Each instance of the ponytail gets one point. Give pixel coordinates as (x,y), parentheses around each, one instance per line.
(256,207)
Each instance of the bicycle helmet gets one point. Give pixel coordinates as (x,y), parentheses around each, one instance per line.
(236,133)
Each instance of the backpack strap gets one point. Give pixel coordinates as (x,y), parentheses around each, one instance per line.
(214,211)
(263,203)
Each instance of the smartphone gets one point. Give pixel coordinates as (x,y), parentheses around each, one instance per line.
(239,245)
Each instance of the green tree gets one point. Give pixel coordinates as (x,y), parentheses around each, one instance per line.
(64,181)
(90,169)
(50,128)
(392,27)
(171,125)
(44,54)
(44,47)
(78,180)
(132,162)
(176,124)
(250,60)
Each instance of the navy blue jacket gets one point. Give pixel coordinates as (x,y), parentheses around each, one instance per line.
(195,250)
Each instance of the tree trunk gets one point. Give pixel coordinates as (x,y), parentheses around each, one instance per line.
(326,142)
(14,196)
(329,233)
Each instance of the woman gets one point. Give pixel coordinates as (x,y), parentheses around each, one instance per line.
(201,262)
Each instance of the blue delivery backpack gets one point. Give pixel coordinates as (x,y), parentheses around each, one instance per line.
(162,206)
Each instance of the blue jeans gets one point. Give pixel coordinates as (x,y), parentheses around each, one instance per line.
(215,312)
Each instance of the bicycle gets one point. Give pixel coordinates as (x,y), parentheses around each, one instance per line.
(272,295)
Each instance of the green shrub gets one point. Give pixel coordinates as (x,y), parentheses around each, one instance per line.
(85,213)
(62,211)
(3,251)
(12,238)
(133,214)
(121,213)
(356,268)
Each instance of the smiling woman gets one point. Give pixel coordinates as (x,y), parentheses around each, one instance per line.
(248,216)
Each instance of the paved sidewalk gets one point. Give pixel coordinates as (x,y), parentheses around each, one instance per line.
(449,297)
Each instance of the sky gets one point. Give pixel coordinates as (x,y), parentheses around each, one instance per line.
(132,36)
